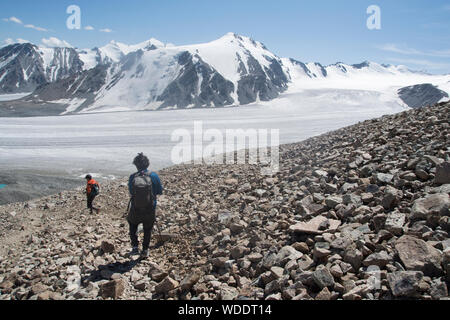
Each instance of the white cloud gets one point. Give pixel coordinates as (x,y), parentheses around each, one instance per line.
(391,47)
(9,41)
(13,19)
(55,42)
(89,28)
(441,53)
(35,28)
(422,62)
(106,30)
(19,40)
(18,21)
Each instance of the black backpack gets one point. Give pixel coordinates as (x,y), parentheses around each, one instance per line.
(142,192)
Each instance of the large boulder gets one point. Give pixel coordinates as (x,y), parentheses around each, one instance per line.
(405,283)
(435,204)
(417,255)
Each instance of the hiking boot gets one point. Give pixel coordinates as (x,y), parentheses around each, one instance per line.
(144,253)
(134,251)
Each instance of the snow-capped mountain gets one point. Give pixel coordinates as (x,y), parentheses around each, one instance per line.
(232,70)
(24,67)
(113,52)
(299,71)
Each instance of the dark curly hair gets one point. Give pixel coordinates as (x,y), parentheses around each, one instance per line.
(141,162)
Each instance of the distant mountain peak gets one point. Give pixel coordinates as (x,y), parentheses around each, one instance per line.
(231,36)
(361,65)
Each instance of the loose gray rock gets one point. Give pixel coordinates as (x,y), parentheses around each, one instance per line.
(405,283)
(383,178)
(323,278)
(333,201)
(442,173)
(438,289)
(435,204)
(394,222)
(379,259)
(228,293)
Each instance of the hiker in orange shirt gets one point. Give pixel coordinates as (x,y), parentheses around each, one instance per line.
(92,190)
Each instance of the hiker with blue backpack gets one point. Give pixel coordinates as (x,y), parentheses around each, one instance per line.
(144,186)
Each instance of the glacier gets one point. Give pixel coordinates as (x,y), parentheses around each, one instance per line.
(105,143)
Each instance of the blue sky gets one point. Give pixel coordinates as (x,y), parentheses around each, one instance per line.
(415,33)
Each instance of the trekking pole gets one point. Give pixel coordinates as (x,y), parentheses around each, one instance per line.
(128,207)
(160,236)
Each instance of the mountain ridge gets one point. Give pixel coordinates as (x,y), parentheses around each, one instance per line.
(232,70)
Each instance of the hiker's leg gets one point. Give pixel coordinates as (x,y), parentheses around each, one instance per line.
(89,203)
(133,235)
(147,237)
(148,227)
(95,208)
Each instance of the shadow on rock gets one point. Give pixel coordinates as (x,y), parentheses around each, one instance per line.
(106,272)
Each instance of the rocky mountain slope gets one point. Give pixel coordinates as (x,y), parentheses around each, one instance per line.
(421,95)
(359,213)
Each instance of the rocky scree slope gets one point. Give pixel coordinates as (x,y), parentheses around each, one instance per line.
(373,196)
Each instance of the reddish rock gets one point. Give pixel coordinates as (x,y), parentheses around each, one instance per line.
(417,255)
(112,289)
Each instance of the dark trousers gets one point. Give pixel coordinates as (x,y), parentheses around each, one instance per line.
(90,200)
(148,227)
